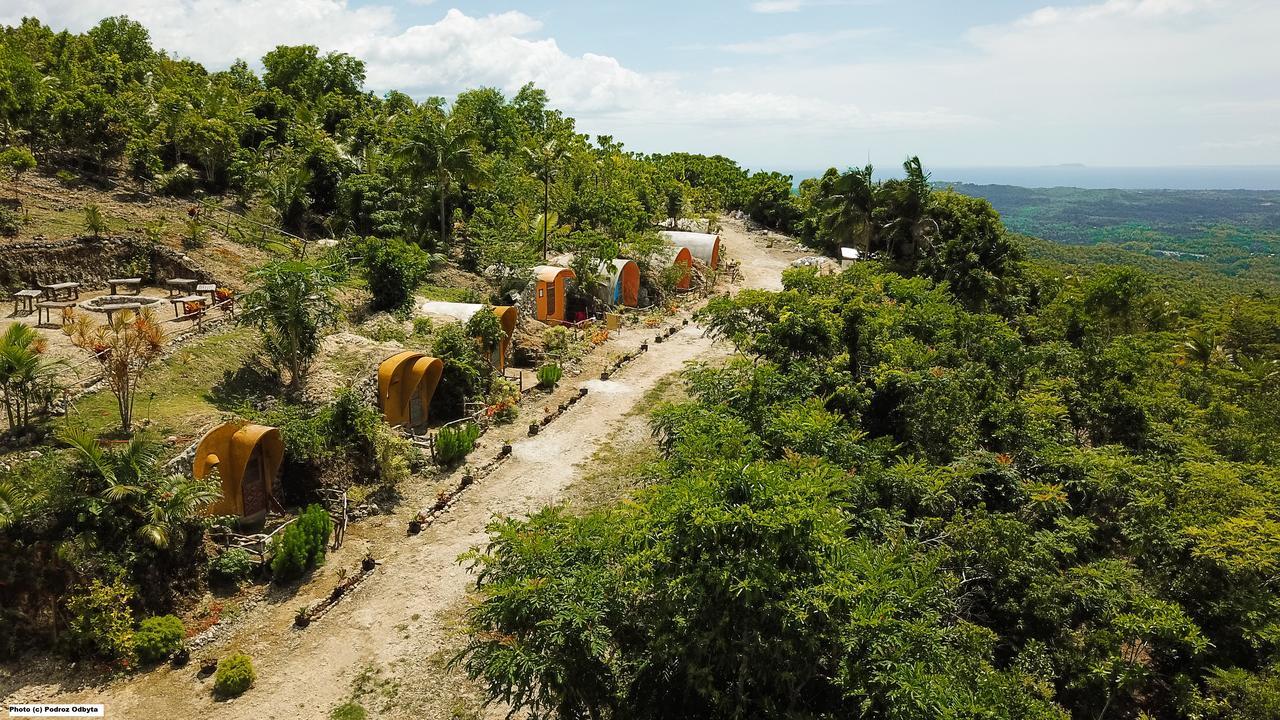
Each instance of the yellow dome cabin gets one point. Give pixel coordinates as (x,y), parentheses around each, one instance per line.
(406,382)
(247,458)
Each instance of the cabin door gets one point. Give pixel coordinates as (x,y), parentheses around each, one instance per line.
(551,301)
(417,412)
(253,487)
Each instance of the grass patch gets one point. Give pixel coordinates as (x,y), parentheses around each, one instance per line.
(176,396)
(450,294)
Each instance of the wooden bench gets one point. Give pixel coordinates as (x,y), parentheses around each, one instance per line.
(180,286)
(27,299)
(44,311)
(111,310)
(179,303)
(57,290)
(133,284)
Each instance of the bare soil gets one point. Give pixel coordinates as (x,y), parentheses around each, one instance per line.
(388,643)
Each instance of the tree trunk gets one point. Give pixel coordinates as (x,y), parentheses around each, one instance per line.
(546,210)
(444,214)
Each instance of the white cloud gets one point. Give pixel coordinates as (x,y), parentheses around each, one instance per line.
(1112,82)
(798,42)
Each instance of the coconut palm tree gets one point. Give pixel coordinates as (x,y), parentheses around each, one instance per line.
(163,506)
(546,159)
(1260,371)
(440,149)
(848,205)
(1201,347)
(909,230)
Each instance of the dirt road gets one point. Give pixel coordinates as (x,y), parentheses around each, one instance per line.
(388,637)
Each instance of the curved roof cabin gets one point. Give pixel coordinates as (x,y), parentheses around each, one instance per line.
(704,246)
(247,458)
(406,383)
(549,292)
(508,317)
(622,283)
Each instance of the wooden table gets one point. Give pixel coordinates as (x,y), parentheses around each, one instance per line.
(180,285)
(111,310)
(134,284)
(210,289)
(44,311)
(57,290)
(179,302)
(27,299)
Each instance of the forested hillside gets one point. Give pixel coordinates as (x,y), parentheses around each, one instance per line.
(1233,233)
(949,481)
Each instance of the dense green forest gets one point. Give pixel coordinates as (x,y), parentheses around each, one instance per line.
(948,482)
(1230,233)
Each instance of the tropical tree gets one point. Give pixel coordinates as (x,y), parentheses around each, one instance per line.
(439,149)
(24,372)
(905,207)
(848,204)
(1201,347)
(124,347)
(547,158)
(163,507)
(292,303)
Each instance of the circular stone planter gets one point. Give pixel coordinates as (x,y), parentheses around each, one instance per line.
(533,429)
(415,527)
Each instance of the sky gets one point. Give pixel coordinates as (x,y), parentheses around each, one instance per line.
(802,84)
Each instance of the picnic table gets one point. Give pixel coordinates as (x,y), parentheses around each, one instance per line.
(111,310)
(180,303)
(44,311)
(56,291)
(27,299)
(180,285)
(134,284)
(210,289)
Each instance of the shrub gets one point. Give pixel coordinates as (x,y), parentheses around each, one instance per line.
(94,221)
(455,441)
(423,327)
(10,221)
(100,620)
(394,270)
(234,675)
(348,711)
(231,566)
(16,160)
(302,545)
(549,375)
(555,340)
(158,637)
(464,371)
(181,180)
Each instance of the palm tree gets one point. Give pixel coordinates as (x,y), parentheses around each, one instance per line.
(910,229)
(1201,347)
(440,149)
(292,303)
(23,372)
(163,506)
(849,205)
(1259,370)
(546,159)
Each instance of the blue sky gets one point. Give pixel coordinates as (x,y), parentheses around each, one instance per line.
(803,84)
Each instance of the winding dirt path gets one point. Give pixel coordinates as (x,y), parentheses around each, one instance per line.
(399,619)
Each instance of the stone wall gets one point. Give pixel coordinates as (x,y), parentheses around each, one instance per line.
(91,262)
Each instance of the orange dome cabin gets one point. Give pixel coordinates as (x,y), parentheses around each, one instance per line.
(550,293)
(622,283)
(684,259)
(406,383)
(247,459)
(704,246)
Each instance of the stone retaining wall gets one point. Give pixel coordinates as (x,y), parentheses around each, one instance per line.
(91,262)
